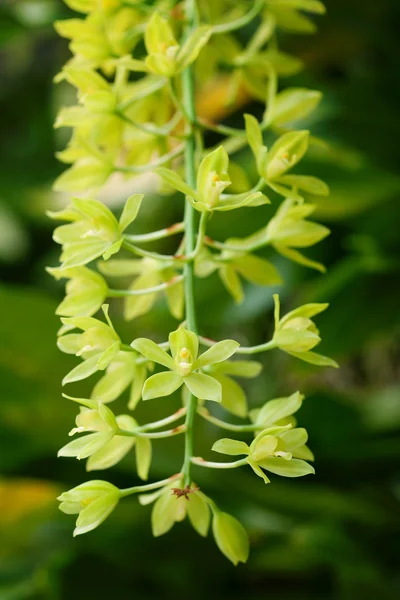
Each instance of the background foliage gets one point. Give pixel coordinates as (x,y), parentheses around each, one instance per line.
(332,536)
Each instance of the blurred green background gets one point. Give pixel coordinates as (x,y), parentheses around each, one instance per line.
(334,536)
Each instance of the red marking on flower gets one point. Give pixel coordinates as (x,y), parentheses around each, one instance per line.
(178,492)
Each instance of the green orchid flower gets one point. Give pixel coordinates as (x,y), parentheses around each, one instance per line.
(93,231)
(276,449)
(296,334)
(103,445)
(173,503)
(86,291)
(184,365)
(278,412)
(212,180)
(165,56)
(98,344)
(93,501)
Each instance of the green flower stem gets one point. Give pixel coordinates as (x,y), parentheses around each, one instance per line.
(156,288)
(162,422)
(157,84)
(137,489)
(164,131)
(153,236)
(203,412)
(243,349)
(188,87)
(157,163)
(200,237)
(200,462)
(241,21)
(153,436)
(147,254)
(222,129)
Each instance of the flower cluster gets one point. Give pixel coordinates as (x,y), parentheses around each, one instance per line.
(142,71)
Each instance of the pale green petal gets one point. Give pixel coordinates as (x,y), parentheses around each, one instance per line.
(257,270)
(204,387)
(294,438)
(130,211)
(258,471)
(287,468)
(231,537)
(150,350)
(231,281)
(315,359)
(97,512)
(82,371)
(230,447)
(233,397)
(143,457)
(110,454)
(275,410)
(161,384)
(183,338)
(217,353)
(198,513)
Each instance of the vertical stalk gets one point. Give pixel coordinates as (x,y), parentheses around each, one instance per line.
(188,89)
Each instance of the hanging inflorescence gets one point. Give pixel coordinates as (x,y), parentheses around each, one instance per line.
(139,68)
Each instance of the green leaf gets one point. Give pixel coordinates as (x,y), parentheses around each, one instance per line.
(287,468)
(231,537)
(204,387)
(130,211)
(143,457)
(161,384)
(293,104)
(150,350)
(198,513)
(217,353)
(230,447)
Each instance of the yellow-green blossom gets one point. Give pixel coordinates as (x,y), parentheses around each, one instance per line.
(297,334)
(184,365)
(93,501)
(93,231)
